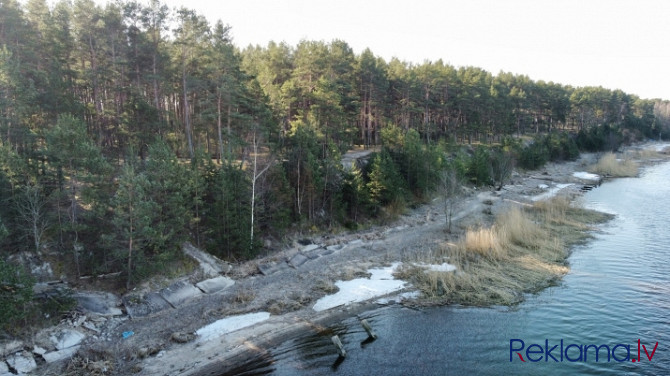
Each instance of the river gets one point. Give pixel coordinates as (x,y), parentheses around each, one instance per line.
(618,291)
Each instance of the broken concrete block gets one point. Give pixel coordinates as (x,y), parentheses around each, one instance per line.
(100,303)
(4,369)
(22,362)
(67,338)
(39,350)
(56,356)
(10,347)
(213,285)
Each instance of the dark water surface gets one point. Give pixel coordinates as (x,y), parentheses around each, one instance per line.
(618,291)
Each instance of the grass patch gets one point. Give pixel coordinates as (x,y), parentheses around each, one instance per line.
(608,165)
(524,251)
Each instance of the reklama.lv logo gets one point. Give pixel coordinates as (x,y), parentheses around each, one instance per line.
(577,352)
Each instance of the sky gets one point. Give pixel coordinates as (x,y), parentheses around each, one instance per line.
(617,44)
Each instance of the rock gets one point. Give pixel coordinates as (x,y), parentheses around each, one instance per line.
(67,338)
(213,285)
(180,337)
(180,292)
(10,347)
(22,362)
(57,356)
(543,186)
(100,303)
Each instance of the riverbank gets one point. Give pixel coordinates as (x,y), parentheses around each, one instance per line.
(290,293)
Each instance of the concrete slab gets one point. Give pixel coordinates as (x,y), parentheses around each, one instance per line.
(180,292)
(271,268)
(298,259)
(67,338)
(311,247)
(144,306)
(212,285)
(100,303)
(210,265)
(56,356)
(22,362)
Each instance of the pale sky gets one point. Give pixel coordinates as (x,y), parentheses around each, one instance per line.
(617,44)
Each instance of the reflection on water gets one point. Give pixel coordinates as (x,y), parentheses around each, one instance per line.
(617,292)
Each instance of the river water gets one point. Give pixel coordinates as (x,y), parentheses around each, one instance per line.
(618,291)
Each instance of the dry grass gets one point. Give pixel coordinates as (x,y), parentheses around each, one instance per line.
(524,251)
(608,165)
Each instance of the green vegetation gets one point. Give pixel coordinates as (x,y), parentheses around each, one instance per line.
(129,128)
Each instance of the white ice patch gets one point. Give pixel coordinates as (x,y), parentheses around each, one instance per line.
(409,295)
(230,324)
(586,175)
(380,283)
(444,267)
(550,193)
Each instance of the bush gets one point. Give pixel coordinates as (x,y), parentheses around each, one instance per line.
(534,156)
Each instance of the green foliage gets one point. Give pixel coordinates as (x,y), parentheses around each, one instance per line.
(479,167)
(534,155)
(172,193)
(603,138)
(385,183)
(16,292)
(228,220)
(132,224)
(560,147)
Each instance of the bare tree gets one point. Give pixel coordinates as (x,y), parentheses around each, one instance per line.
(31,209)
(254,177)
(451,187)
(502,163)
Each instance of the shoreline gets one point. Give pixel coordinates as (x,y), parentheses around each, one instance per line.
(413,234)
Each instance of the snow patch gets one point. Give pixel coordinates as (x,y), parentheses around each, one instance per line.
(230,324)
(550,193)
(586,175)
(661,147)
(381,282)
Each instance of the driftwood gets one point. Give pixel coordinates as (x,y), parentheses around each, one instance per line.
(338,344)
